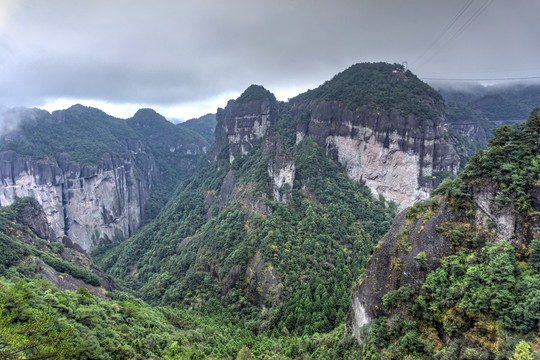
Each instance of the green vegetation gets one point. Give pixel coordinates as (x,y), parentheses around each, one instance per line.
(511,162)
(204,126)
(30,334)
(483,302)
(17,242)
(169,145)
(39,321)
(86,134)
(247,260)
(498,107)
(381,85)
(225,272)
(89,137)
(255,93)
(70,325)
(501,103)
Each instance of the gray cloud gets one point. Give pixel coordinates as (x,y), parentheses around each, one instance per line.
(170,52)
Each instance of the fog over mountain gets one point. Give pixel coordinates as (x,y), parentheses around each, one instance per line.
(187,58)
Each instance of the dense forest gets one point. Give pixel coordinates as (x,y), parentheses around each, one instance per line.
(389,86)
(497,103)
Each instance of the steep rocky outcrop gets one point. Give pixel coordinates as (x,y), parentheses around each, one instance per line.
(475,209)
(395,142)
(67,266)
(428,232)
(95,181)
(396,155)
(88,203)
(281,167)
(472,131)
(244,122)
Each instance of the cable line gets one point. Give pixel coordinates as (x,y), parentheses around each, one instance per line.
(460,31)
(445,30)
(481,79)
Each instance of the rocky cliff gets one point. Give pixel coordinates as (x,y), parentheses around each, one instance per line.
(394,142)
(96,180)
(426,233)
(65,265)
(244,122)
(88,203)
(397,155)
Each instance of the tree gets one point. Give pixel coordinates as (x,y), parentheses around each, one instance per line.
(532,126)
(522,352)
(36,338)
(244,354)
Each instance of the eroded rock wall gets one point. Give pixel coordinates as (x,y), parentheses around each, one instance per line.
(396,155)
(89,203)
(241,126)
(415,245)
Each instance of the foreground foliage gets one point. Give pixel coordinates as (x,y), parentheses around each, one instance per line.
(79,325)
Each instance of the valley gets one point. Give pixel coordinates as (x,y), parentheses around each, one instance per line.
(372,217)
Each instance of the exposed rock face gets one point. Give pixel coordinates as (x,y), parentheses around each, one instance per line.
(472,131)
(33,216)
(396,262)
(281,167)
(395,155)
(393,264)
(241,126)
(86,203)
(105,201)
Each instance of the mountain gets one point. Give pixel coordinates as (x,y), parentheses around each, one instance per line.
(282,197)
(458,275)
(26,251)
(261,238)
(97,177)
(253,225)
(204,126)
(382,123)
(500,104)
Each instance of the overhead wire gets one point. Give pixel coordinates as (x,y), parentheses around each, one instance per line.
(480,79)
(478,12)
(446,29)
(463,27)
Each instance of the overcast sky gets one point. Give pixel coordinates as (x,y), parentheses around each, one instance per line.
(186,58)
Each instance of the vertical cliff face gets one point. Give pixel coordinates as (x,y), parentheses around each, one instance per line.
(397,155)
(384,125)
(89,203)
(244,122)
(281,167)
(424,235)
(96,180)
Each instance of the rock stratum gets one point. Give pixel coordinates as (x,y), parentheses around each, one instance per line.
(93,174)
(396,143)
(87,203)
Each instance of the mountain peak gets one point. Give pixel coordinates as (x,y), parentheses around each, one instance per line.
(383,85)
(148,114)
(255,93)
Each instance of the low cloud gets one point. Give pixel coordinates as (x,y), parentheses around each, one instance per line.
(167,53)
